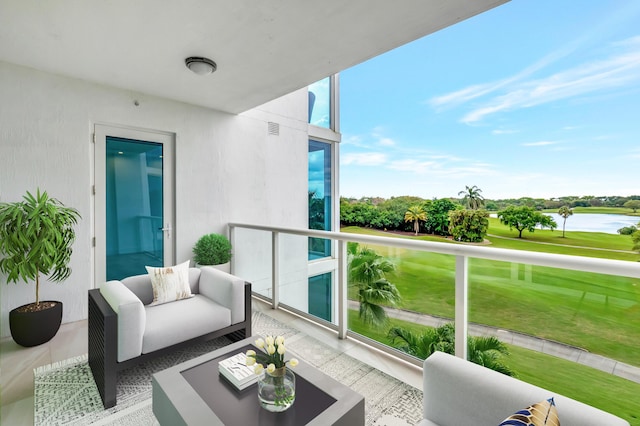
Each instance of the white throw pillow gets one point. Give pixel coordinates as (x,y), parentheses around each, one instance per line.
(170,283)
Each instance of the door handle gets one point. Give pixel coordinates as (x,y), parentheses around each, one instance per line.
(167,229)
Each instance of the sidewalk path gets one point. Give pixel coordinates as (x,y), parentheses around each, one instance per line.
(548,347)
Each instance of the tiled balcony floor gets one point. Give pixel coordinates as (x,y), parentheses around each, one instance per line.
(17,363)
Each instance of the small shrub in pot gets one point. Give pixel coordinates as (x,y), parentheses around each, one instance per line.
(212,249)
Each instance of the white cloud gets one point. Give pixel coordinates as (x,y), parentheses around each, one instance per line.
(503,132)
(614,72)
(540,143)
(634,153)
(414,161)
(378,134)
(604,137)
(472,92)
(414,166)
(375,138)
(461,96)
(441,168)
(351,140)
(363,159)
(618,70)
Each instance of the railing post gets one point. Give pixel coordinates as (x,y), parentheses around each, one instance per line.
(343,306)
(232,240)
(275,270)
(462,308)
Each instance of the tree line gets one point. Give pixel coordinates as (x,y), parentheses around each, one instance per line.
(556,203)
(466,218)
(399,205)
(389,214)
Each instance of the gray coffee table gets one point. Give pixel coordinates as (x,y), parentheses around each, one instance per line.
(193,393)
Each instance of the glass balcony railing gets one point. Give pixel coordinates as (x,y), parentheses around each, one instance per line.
(570,324)
(540,301)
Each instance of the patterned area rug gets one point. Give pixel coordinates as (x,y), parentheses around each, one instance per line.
(65,393)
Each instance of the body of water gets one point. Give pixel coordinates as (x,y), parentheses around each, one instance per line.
(608,223)
(597,222)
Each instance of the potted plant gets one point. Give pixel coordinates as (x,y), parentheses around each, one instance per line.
(214,250)
(36,235)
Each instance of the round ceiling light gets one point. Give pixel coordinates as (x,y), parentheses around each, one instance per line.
(201,66)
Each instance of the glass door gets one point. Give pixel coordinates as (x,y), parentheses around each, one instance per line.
(134,202)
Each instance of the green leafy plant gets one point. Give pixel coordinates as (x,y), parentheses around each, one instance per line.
(438,216)
(487,351)
(367,274)
(212,249)
(468,225)
(36,236)
(525,218)
(627,230)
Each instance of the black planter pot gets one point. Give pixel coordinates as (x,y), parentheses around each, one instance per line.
(35,328)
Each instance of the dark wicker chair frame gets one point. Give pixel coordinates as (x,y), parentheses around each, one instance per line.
(103,343)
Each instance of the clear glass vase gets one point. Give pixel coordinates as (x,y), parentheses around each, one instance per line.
(277,390)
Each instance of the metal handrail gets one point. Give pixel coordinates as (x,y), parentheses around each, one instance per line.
(462,252)
(563,261)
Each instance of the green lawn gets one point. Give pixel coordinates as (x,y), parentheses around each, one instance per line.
(570,244)
(593,387)
(605,391)
(601,210)
(596,312)
(610,244)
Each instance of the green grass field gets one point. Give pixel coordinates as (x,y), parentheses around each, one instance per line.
(611,246)
(596,312)
(605,391)
(601,210)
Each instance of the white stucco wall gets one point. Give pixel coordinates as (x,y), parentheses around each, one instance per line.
(228,169)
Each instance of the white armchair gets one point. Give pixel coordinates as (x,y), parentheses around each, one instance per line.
(125,330)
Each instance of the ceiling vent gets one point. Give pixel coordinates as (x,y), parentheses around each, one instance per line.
(273,128)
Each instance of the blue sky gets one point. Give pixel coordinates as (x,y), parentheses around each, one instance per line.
(533,98)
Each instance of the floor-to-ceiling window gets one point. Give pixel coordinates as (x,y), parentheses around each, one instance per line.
(324,138)
(320,197)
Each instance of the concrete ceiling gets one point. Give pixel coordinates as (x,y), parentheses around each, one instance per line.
(264,48)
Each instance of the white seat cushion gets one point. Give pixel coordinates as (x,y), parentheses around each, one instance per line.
(176,322)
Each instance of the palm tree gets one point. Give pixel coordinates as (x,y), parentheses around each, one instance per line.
(488,352)
(472,197)
(485,351)
(367,271)
(415,214)
(565,212)
(424,344)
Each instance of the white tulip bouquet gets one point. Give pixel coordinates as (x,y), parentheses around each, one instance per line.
(273,356)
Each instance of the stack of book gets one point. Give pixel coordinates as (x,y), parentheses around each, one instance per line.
(235,370)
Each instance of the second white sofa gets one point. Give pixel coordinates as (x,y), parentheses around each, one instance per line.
(459,392)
